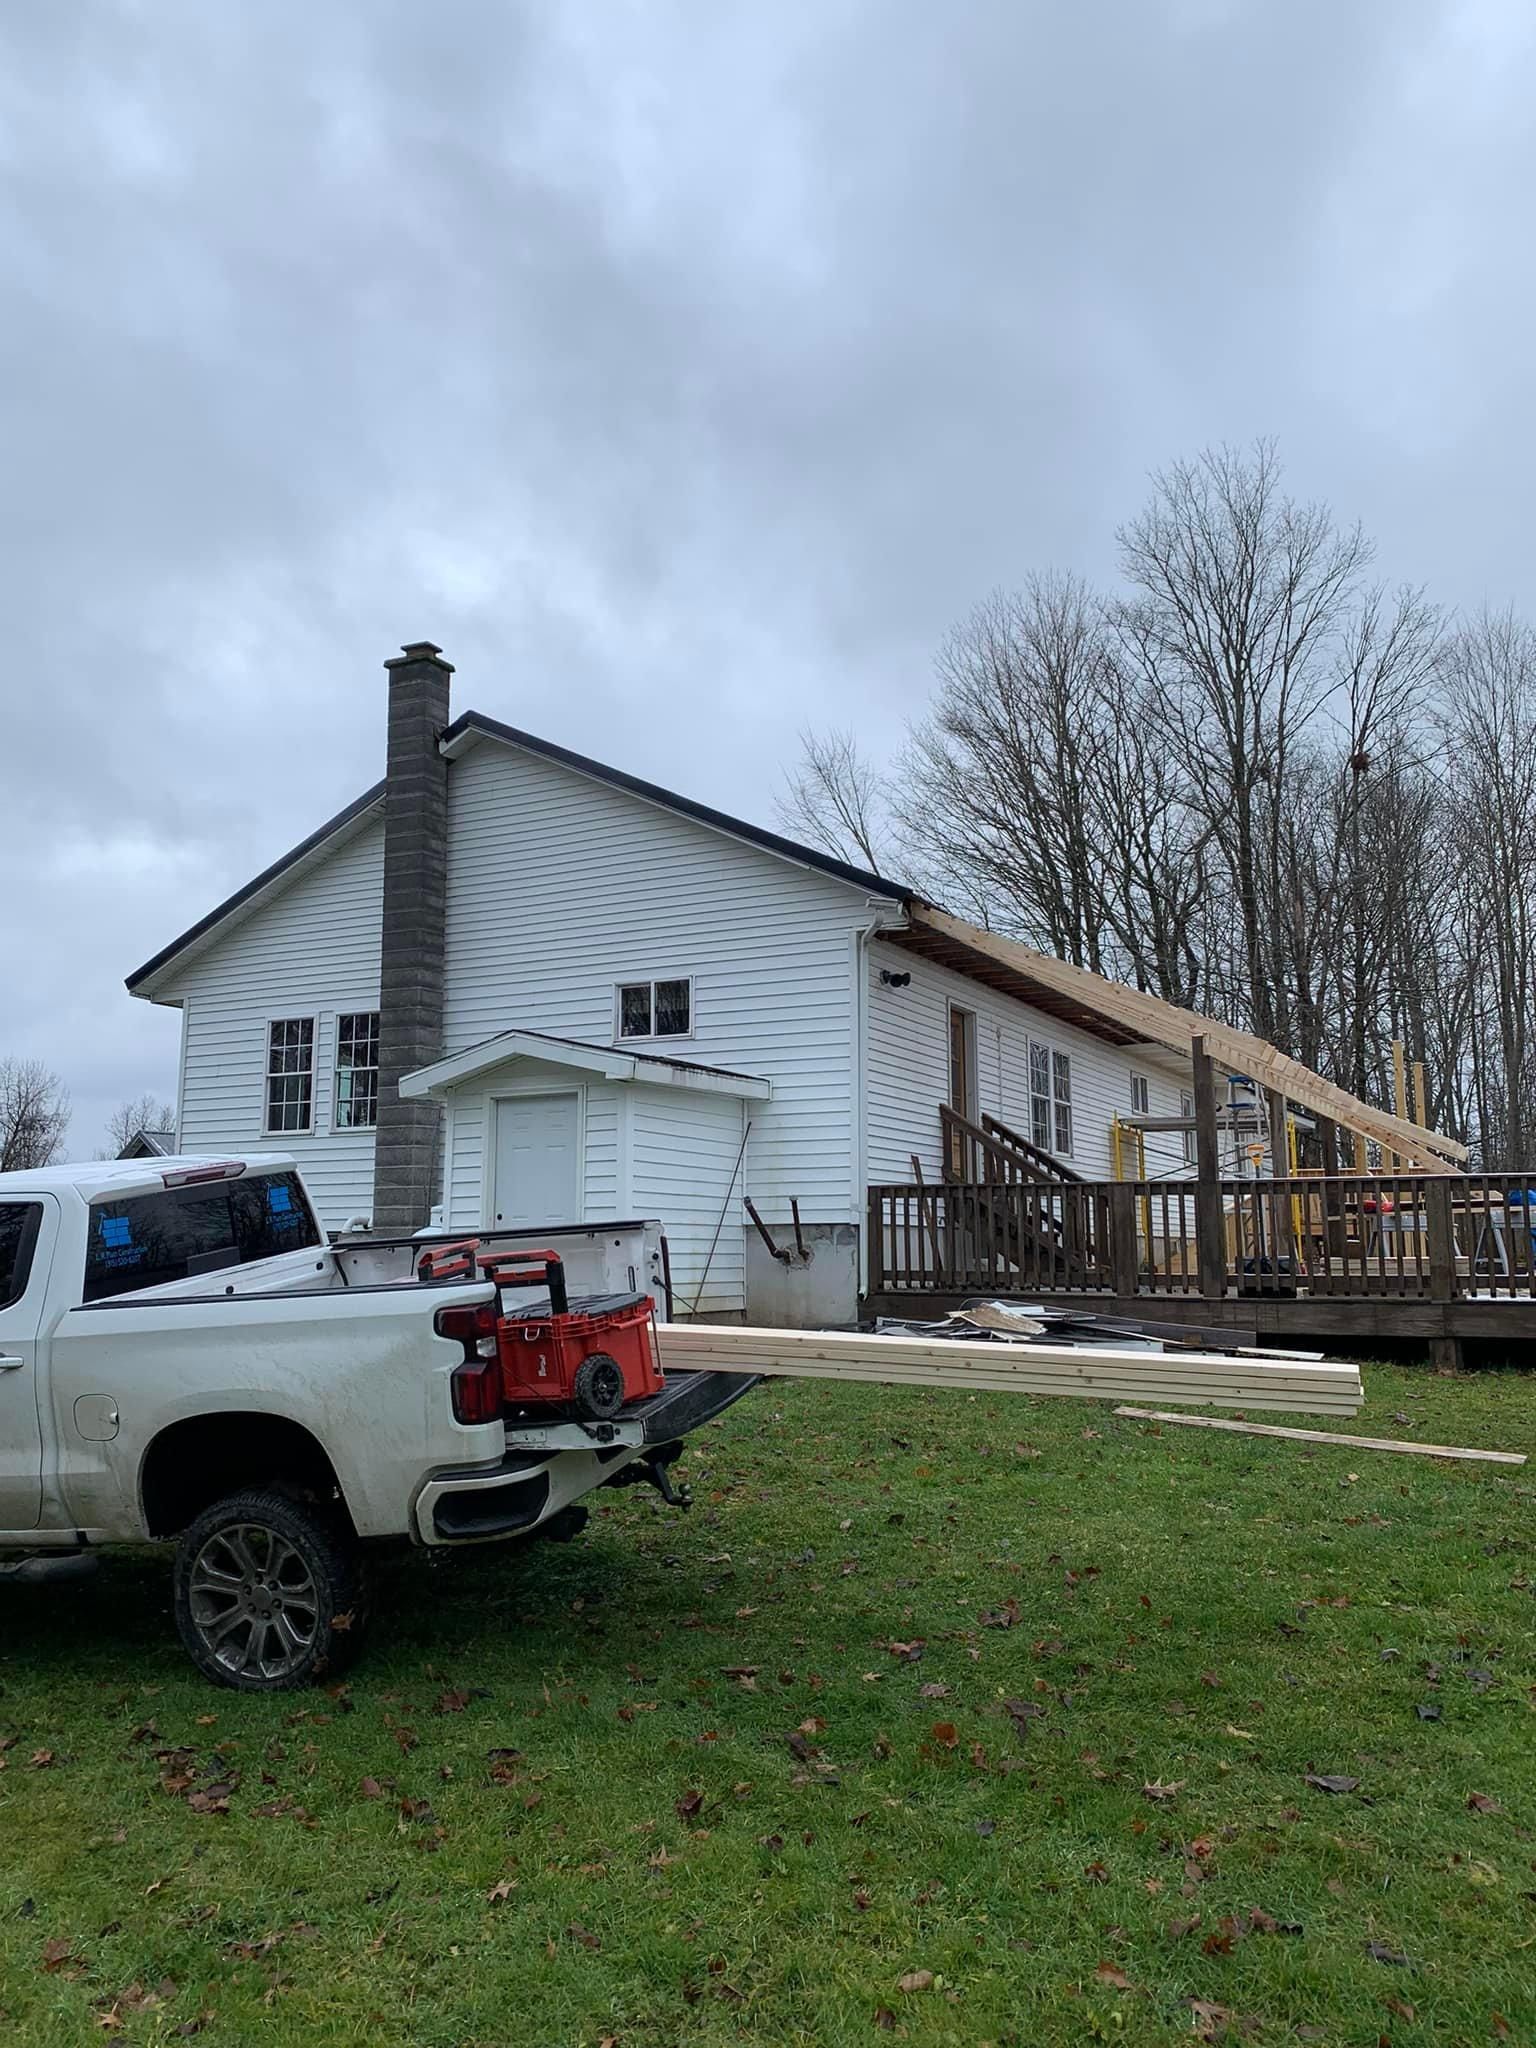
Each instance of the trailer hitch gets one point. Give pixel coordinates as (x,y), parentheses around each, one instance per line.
(653,1469)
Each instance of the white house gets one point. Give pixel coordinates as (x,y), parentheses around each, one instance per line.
(512,986)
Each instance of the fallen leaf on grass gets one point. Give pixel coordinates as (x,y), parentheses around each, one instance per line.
(1331,1784)
(686,1807)
(1177,1929)
(935,1689)
(1380,1953)
(1005,1616)
(1479,1802)
(59,1955)
(945,1734)
(576,1932)
(452,1702)
(915,1980)
(1157,1790)
(1096,1873)
(885,2019)
(1401,2009)
(502,1889)
(1108,1974)
(1428,1710)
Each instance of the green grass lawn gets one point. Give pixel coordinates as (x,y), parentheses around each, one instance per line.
(1006,1698)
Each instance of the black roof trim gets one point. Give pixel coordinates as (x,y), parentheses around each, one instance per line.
(806,856)
(353,810)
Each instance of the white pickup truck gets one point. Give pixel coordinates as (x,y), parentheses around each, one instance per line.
(186,1358)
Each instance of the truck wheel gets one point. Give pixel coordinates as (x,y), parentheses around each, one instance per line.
(598,1388)
(268,1592)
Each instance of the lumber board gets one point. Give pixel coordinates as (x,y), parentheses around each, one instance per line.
(1323,1436)
(1199,1379)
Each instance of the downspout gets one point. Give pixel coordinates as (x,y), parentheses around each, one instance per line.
(879,919)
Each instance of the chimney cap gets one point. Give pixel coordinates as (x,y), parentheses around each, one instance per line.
(414,651)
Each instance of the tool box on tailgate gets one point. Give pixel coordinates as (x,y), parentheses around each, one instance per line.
(591,1356)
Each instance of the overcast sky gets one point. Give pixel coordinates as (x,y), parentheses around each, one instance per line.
(684,369)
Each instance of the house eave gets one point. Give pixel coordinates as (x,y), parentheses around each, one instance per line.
(598,1062)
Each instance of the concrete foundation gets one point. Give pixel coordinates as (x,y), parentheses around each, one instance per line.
(817,1292)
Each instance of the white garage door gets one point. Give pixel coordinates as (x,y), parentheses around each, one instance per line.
(538,1163)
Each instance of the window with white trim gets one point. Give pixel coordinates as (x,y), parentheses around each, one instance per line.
(1040,1095)
(1187,1110)
(290,1074)
(655,1009)
(357,1070)
(1061,1093)
(1141,1095)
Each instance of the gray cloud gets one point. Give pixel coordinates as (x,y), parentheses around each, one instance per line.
(685,369)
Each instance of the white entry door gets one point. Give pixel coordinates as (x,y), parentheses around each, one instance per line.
(538,1162)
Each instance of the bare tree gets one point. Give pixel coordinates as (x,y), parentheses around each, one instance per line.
(835,800)
(1240,594)
(144,1113)
(1488,725)
(34,1115)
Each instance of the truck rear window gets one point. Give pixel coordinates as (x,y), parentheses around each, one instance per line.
(146,1240)
(18,1234)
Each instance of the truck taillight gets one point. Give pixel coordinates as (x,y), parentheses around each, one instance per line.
(476,1391)
(474,1386)
(474,1328)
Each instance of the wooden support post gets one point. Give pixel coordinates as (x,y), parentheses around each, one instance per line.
(1124,1258)
(1399,1094)
(1440,1230)
(1210,1228)
(1334,1227)
(1284,1247)
(874,1230)
(1420,1096)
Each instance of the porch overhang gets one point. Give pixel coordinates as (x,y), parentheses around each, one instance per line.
(599,1062)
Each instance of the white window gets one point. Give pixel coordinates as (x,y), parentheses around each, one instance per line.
(1040,1095)
(1187,1110)
(1061,1088)
(290,1073)
(1141,1095)
(357,1070)
(655,1009)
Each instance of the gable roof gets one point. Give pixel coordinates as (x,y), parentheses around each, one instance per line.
(1110,1010)
(457,739)
(288,868)
(474,725)
(609,1062)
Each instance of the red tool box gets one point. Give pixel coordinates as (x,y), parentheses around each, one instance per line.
(592,1355)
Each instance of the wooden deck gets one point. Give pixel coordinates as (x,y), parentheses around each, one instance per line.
(1438,1258)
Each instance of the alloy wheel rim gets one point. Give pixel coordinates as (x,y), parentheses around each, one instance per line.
(254,1601)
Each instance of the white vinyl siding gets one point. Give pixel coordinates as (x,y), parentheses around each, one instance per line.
(610,889)
(313,951)
(683,1151)
(665,1153)
(908,1072)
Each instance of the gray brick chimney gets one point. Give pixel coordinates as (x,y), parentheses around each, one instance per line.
(406,1161)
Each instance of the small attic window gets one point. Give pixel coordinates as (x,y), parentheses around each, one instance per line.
(655,1009)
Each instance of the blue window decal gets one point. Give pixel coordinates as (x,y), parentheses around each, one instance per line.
(116,1230)
(279,1201)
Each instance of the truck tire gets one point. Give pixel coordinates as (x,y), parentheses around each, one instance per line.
(268,1592)
(598,1388)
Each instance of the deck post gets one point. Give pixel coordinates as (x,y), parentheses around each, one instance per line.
(1210,1227)
(1334,1239)
(1280,1163)
(1124,1257)
(874,1230)
(1440,1230)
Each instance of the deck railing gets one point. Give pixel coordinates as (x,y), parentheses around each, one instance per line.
(1435,1237)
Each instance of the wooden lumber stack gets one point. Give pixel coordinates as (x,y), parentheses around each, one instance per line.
(1192,1379)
